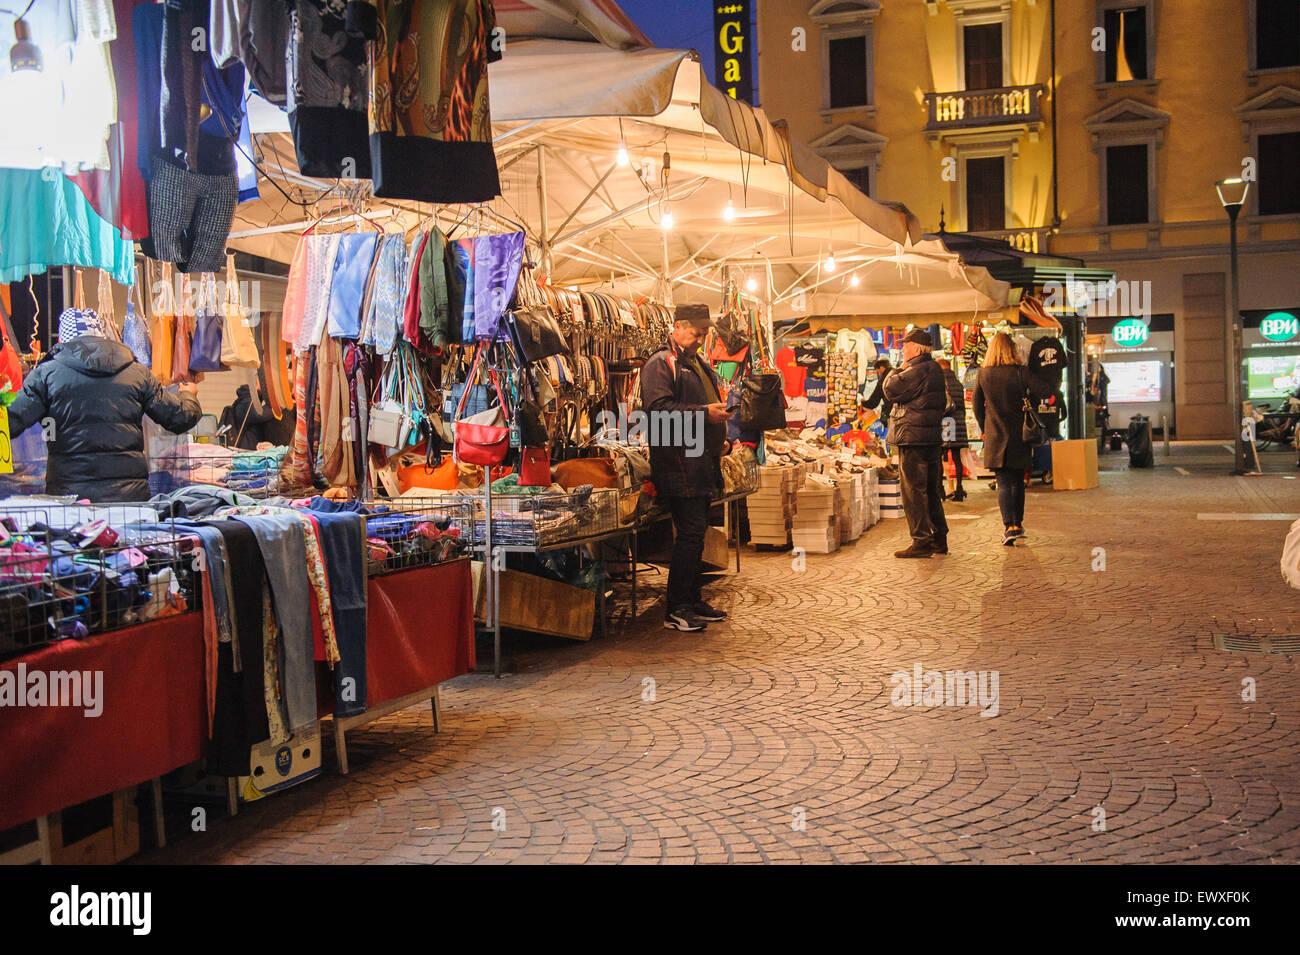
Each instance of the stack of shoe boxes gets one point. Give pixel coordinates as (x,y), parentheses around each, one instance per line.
(771,506)
(816,526)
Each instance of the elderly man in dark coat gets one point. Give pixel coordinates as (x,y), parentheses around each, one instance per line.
(687,472)
(919,397)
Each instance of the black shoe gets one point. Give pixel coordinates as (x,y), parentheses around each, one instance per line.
(1017,530)
(959,495)
(1008,538)
(704,612)
(917,549)
(684,620)
(939,545)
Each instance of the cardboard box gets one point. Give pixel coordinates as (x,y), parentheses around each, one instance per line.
(716,549)
(1074,465)
(823,539)
(279,767)
(538,604)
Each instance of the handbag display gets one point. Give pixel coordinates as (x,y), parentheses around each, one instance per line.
(762,403)
(163,328)
(531,424)
(535,467)
(598,472)
(135,331)
(205,347)
(238,349)
(536,333)
(484,438)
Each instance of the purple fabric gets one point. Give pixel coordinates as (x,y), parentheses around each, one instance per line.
(497,260)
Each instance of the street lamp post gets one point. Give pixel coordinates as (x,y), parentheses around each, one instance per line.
(1232,194)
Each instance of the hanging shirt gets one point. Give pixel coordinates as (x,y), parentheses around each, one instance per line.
(1047,359)
(48,222)
(497,261)
(328,91)
(433,143)
(791,374)
(356,253)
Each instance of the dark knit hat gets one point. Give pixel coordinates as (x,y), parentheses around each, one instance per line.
(697,315)
(919,336)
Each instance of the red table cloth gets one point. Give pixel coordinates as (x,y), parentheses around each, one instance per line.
(153,718)
(420,632)
(420,629)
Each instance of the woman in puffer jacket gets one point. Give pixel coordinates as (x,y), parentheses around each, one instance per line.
(90,395)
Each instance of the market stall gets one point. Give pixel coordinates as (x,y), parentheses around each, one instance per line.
(418,367)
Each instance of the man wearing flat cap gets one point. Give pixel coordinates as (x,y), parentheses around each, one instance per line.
(678,386)
(919,398)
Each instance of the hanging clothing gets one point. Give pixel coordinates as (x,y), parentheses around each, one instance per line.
(327,91)
(411,312)
(430,128)
(321,253)
(440,294)
(60,115)
(256,34)
(240,719)
(343,546)
(384,309)
(48,222)
(497,261)
(356,254)
(279,536)
(792,374)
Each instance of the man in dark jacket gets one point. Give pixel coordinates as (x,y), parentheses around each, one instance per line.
(688,427)
(916,428)
(882,368)
(247,426)
(89,394)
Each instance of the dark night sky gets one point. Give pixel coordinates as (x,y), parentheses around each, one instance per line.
(676,24)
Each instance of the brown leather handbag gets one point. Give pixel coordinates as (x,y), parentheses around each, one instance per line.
(598,472)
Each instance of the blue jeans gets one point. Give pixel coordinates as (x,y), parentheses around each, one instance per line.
(1011,495)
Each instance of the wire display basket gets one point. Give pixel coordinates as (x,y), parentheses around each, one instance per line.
(68,571)
(417,532)
(252,473)
(550,518)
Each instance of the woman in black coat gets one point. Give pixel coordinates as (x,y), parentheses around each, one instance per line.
(1000,391)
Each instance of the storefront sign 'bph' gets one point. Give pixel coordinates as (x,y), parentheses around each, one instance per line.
(734,67)
(1129,332)
(1279,327)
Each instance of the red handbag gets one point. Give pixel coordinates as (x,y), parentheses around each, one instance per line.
(483,438)
(535,467)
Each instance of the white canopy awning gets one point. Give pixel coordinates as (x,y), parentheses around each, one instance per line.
(560,108)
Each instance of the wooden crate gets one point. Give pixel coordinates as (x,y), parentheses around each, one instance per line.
(118,840)
(538,604)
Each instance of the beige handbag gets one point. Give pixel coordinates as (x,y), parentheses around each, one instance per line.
(238,349)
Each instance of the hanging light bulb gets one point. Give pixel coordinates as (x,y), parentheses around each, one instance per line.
(752,284)
(622,157)
(24,54)
(729,213)
(666,222)
(829,264)
(853,280)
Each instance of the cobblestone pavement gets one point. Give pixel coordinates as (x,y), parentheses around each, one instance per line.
(773,739)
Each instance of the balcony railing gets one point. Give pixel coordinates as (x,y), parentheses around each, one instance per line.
(1007,106)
